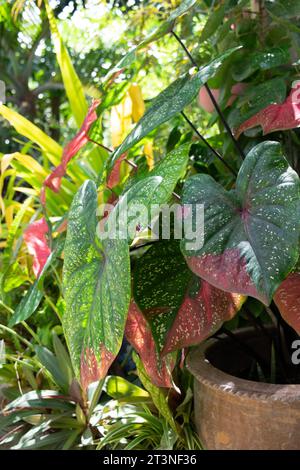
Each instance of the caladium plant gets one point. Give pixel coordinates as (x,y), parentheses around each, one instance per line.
(251,231)
(275,117)
(163,295)
(181,296)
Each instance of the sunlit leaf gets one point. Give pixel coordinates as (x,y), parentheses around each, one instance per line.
(170,102)
(119,388)
(164,28)
(181,309)
(158,396)
(33,133)
(251,233)
(97,290)
(73,85)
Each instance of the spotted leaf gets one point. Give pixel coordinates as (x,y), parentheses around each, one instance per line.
(96,281)
(276,117)
(139,334)
(170,102)
(181,309)
(250,233)
(260,60)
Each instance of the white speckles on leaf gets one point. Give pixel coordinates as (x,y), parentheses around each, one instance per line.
(96,289)
(251,233)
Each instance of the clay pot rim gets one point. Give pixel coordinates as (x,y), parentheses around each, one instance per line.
(212,377)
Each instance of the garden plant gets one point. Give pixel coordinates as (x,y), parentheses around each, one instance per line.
(98,310)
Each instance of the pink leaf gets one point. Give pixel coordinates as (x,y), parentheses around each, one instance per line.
(53,181)
(276,117)
(92,369)
(36,241)
(227,271)
(287,299)
(139,335)
(200,315)
(114,177)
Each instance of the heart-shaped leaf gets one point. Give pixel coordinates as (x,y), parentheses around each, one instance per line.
(251,233)
(170,102)
(181,309)
(97,290)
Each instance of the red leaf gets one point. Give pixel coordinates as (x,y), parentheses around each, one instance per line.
(35,239)
(287,299)
(139,335)
(114,177)
(276,117)
(200,315)
(227,271)
(92,370)
(53,181)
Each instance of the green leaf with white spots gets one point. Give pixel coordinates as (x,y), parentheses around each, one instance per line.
(132,212)
(97,290)
(255,98)
(171,168)
(169,102)
(260,60)
(251,233)
(148,190)
(181,309)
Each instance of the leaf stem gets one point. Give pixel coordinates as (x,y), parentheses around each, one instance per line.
(20,338)
(129,162)
(217,107)
(217,154)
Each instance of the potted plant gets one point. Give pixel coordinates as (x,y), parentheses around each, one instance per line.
(235,198)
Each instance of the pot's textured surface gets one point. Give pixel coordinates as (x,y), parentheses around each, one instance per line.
(237,414)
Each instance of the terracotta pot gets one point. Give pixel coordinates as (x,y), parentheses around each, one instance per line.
(238,414)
